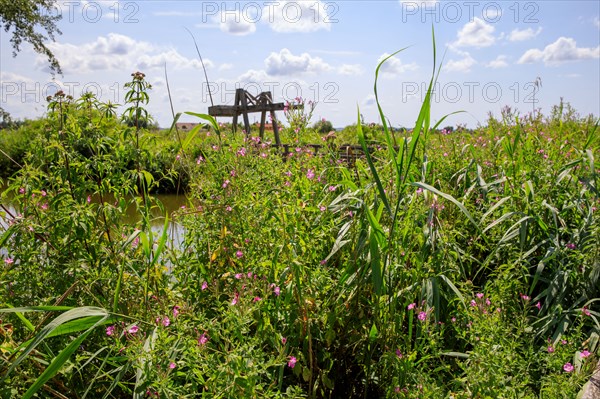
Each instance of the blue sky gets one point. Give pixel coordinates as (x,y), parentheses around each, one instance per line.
(324,51)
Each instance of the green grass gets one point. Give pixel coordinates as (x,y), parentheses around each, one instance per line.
(459,265)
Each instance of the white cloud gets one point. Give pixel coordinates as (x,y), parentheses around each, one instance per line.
(499,62)
(517,35)
(476,33)
(351,69)
(286,63)
(253,76)
(597,22)
(394,66)
(369,100)
(463,65)
(225,67)
(236,24)
(492,14)
(116,52)
(564,49)
(299,15)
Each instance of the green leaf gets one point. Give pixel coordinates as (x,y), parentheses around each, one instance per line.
(363,143)
(373,333)
(449,198)
(72,314)
(56,364)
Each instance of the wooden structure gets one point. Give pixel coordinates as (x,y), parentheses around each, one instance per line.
(246,103)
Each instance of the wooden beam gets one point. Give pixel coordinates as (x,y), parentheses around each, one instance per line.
(233,110)
(245,112)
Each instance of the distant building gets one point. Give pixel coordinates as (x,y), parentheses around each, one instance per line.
(185,126)
(268,126)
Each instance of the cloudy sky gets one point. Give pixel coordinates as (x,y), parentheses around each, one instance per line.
(492,53)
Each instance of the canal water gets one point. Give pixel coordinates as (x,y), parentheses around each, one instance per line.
(170,202)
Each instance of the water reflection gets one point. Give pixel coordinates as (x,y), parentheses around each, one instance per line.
(170,204)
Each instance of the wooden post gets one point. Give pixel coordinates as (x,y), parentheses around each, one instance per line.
(263,117)
(235,104)
(245,110)
(244,104)
(275,128)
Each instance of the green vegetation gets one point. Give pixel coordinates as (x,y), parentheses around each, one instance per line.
(455,264)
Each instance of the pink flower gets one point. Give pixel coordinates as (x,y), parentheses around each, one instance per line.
(44,193)
(411,306)
(585,354)
(45,206)
(257,299)
(165,321)
(225,183)
(310,174)
(538,305)
(525,297)
(238,276)
(277,291)
(239,254)
(422,316)
(568,367)
(204,286)
(585,311)
(331,188)
(283,340)
(22,190)
(228,208)
(133,329)
(398,353)
(110,330)
(176,311)
(89,199)
(479,295)
(235,299)
(550,349)
(322,208)
(203,339)
(292,362)
(571,245)
(172,365)
(473,303)
(9,261)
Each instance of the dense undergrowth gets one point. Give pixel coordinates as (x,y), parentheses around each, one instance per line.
(459,265)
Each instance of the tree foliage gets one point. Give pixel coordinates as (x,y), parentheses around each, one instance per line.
(32,21)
